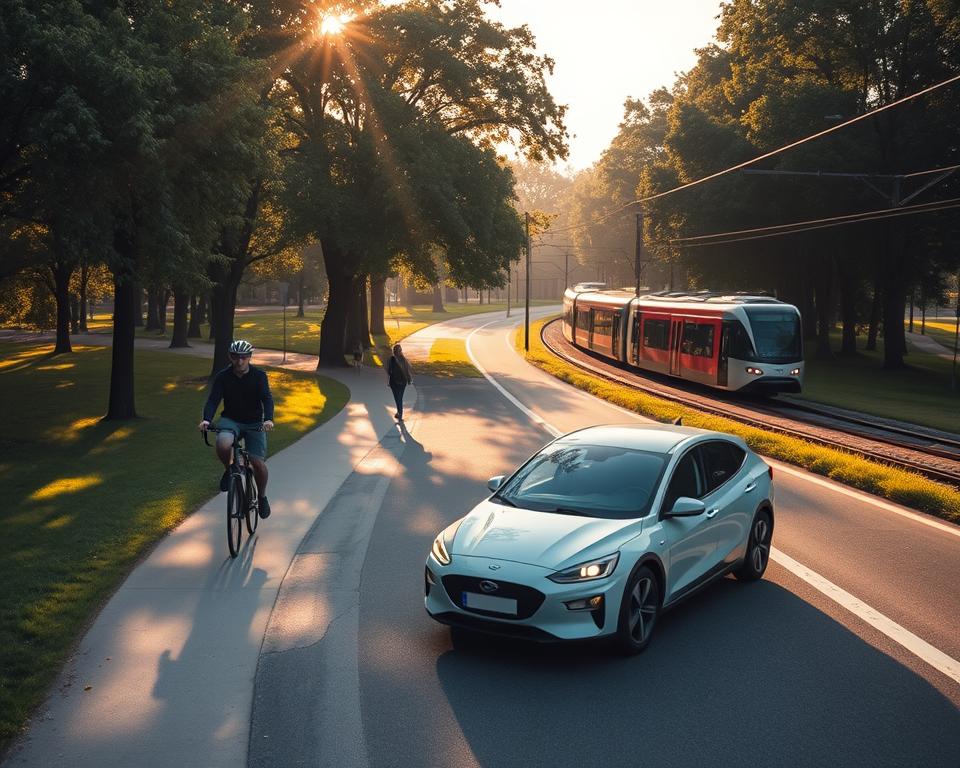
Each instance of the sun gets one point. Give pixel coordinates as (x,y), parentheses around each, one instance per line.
(333,24)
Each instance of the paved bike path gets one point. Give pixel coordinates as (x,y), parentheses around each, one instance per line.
(164,676)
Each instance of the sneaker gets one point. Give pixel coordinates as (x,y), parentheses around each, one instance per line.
(225,481)
(264,507)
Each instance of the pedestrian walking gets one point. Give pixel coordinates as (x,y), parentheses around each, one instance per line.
(399,375)
(357,355)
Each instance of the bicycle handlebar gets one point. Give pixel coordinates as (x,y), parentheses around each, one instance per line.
(211,428)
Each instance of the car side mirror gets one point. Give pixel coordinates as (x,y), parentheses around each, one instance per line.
(686,507)
(495,482)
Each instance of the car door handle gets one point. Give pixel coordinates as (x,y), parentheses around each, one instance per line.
(749,487)
(712,512)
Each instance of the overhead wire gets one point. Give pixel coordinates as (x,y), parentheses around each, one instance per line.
(779,230)
(731,169)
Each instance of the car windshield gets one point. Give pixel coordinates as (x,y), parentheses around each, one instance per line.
(776,333)
(591,480)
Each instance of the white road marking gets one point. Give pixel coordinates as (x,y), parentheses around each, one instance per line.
(903,637)
(919,648)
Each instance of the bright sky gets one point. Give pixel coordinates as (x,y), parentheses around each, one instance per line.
(608,50)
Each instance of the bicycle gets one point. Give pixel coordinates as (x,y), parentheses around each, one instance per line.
(243,495)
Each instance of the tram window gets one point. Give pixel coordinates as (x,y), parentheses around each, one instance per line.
(656,334)
(568,314)
(697,339)
(603,322)
(776,332)
(740,346)
(583,319)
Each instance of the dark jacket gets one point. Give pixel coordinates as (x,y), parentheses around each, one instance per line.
(398,373)
(246,399)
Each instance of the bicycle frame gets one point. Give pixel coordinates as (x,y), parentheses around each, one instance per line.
(243,482)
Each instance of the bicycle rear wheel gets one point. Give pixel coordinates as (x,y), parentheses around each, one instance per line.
(235,504)
(252,507)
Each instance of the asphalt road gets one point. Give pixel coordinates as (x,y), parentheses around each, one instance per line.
(773,673)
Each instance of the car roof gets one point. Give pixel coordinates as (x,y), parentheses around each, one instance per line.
(657,438)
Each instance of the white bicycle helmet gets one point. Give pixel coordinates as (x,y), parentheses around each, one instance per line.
(241,347)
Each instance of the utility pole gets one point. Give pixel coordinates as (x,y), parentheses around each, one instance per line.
(639,249)
(566,271)
(956,341)
(509,278)
(526,320)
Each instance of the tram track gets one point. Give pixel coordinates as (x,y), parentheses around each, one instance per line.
(928,452)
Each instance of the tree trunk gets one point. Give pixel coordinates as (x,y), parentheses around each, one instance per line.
(438,299)
(848,308)
(125,300)
(377,304)
(224,303)
(334,323)
(894,297)
(74,313)
(364,315)
(181,303)
(196,317)
(874,327)
(153,309)
(84,280)
(138,307)
(823,289)
(300,289)
(163,298)
(61,283)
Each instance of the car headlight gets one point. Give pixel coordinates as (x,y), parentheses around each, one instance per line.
(444,543)
(593,569)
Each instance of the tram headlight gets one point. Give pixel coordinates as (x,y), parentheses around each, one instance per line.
(754,371)
(795,372)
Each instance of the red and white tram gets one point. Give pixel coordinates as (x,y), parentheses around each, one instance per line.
(729,341)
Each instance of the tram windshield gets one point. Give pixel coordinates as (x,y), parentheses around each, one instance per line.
(776,334)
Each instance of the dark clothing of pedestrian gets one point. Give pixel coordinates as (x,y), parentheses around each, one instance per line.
(246,398)
(399,374)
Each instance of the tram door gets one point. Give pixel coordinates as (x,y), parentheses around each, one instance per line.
(675,338)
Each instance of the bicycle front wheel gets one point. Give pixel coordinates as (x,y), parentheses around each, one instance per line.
(235,498)
(252,507)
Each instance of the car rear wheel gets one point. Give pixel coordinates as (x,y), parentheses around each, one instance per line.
(758,548)
(638,611)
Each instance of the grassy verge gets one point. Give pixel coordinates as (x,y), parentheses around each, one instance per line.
(919,393)
(900,486)
(85,498)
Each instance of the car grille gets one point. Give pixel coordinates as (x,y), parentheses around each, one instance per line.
(528,599)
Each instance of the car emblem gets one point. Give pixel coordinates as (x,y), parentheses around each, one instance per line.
(489,586)
(494,567)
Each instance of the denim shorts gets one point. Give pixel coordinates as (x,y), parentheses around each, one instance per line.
(254,437)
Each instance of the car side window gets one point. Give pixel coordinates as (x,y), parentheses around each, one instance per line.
(721,460)
(686,481)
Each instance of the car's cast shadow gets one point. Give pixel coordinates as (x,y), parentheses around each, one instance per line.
(739,673)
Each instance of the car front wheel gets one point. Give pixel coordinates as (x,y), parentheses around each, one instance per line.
(758,548)
(639,611)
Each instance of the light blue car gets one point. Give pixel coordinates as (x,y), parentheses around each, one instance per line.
(602,530)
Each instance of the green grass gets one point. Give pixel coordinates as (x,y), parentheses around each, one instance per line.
(903,487)
(943,331)
(85,498)
(264,328)
(919,393)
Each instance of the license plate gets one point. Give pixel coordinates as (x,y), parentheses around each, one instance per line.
(489,603)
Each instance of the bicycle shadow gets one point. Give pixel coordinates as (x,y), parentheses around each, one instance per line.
(209,656)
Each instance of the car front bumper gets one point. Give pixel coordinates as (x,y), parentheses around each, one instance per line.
(542,610)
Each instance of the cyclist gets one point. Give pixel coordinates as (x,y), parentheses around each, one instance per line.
(247,402)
